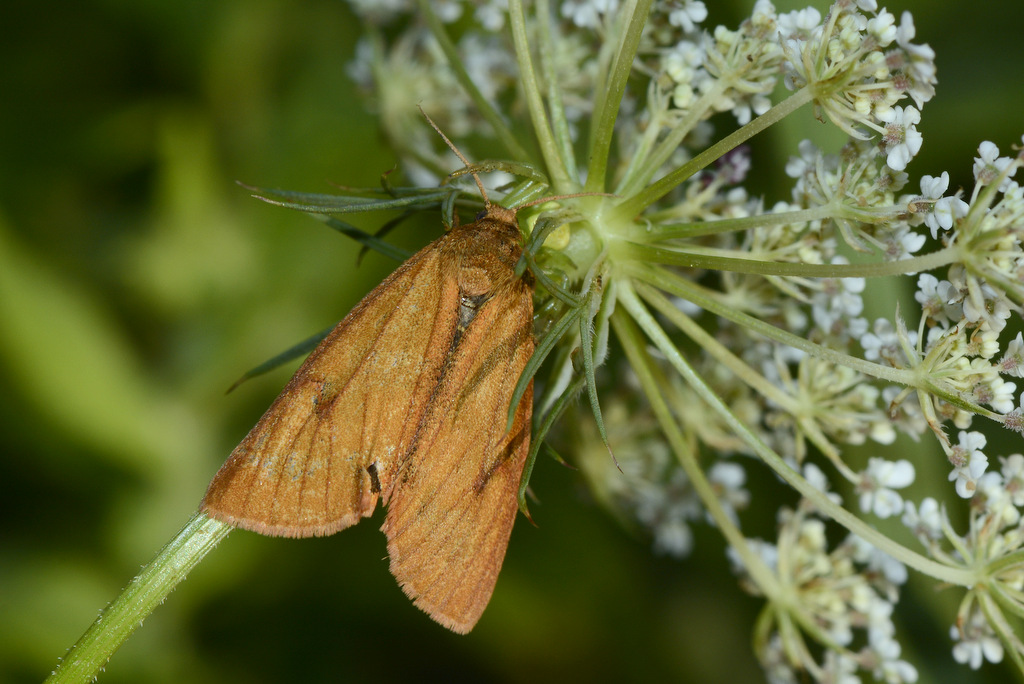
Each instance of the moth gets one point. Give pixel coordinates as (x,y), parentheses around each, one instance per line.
(405,403)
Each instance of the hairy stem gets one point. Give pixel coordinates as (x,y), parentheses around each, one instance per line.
(149,588)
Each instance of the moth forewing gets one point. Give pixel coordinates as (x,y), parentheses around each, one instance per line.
(454,505)
(356,401)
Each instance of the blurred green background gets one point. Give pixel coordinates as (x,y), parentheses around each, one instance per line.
(137,282)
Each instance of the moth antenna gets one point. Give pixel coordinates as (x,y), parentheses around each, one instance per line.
(453,148)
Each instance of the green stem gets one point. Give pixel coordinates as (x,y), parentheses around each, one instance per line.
(608,100)
(917,377)
(673,284)
(1011,642)
(666,230)
(959,576)
(557,171)
(748,375)
(633,344)
(697,257)
(763,576)
(640,173)
(556,108)
(654,192)
(716,349)
(1005,562)
(485,108)
(149,588)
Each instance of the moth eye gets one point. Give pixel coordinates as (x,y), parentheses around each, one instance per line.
(482,213)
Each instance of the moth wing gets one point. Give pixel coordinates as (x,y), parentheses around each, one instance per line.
(455,499)
(319,458)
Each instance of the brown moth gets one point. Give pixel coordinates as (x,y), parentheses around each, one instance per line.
(405,402)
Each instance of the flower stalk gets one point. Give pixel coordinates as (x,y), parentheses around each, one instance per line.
(84,661)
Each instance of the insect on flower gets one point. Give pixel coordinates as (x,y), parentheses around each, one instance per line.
(406,402)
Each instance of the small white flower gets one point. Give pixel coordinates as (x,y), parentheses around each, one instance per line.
(492,14)
(939,300)
(745,111)
(845,293)
(889,667)
(817,479)
(879,561)
(448,11)
(969,462)
(977,643)
(839,668)
(673,538)
(1012,362)
(945,210)
(799,22)
(883,28)
(934,188)
(919,66)
(809,154)
(1013,477)
(901,139)
(691,13)
(763,12)
(903,243)
(768,552)
(877,485)
(486,62)
(680,62)
(381,11)
(588,13)
(984,303)
(997,502)
(988,165)
(1001,394)
(925,522)
(360,69)
(894,671)
(882,343)
(728,480)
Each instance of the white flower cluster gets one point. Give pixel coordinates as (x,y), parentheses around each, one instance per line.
(759,305)
(648,487)
(957,344)
(847,592)
(859,65)
(995,534)
(730,70)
